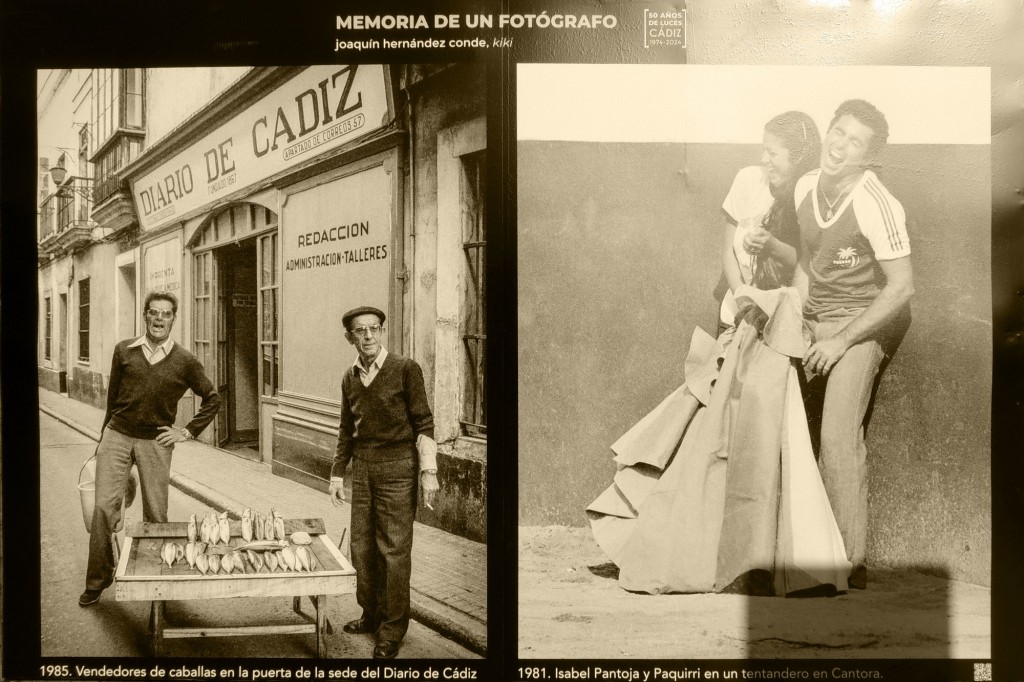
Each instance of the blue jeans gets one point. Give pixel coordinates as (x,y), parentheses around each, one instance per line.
(383,509)
(114,458)
(842,458)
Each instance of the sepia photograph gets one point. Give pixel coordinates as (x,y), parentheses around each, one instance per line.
(261,361)
(755,361)
(575,340)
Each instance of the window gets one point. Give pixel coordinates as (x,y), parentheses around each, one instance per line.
(48,328)
(118,119)
(132,98)
(105,101)
(202,279)
(83,169)
(269,309)
(118,96)
(83,319)
(83,151)
(474,321)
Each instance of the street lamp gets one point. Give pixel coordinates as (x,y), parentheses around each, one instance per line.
(58,174)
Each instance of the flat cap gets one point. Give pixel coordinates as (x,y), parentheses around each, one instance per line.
(362,310)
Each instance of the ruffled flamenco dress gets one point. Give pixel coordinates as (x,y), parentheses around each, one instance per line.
(717,489)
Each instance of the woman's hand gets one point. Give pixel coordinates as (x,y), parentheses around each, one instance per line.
(757,240)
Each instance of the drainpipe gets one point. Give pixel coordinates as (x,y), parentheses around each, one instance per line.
(412,215)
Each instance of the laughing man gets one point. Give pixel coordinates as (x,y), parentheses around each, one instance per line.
(855,276)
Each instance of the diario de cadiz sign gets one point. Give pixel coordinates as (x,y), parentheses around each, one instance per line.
(318,110)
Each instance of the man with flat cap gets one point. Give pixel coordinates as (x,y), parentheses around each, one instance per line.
(387,433)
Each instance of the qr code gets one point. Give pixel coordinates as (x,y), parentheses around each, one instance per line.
(982,672)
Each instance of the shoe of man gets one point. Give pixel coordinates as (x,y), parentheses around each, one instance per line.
(89,597)
(385,649)
(360,626)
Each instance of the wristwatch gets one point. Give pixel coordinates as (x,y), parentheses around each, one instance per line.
(429,471)
(186,434)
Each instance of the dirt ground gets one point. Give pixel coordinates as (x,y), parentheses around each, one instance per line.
(570,606)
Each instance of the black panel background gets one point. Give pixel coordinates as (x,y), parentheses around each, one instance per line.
(70,33)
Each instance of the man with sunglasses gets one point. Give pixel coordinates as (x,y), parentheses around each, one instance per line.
(387,432)
(148,377)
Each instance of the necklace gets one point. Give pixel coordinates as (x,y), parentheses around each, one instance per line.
(832,204)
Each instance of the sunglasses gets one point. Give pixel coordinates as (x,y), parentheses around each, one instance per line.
(160,314)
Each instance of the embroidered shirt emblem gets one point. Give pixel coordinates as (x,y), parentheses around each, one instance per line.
(846,258)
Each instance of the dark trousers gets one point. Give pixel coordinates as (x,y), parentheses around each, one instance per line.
(114,458)
(383,509)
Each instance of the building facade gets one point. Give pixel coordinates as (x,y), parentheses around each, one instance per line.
(269,201)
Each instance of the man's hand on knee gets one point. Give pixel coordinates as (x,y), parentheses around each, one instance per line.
(336,491)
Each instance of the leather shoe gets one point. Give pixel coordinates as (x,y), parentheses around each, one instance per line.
(360,626)
(385,649)
(89,597)
(858,579)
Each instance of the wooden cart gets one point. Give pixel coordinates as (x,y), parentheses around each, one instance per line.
(142,576)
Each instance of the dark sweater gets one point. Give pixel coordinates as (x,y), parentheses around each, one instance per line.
(142,397)
(381,422)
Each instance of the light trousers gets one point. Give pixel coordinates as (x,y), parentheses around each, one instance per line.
(842,457)
(114,459)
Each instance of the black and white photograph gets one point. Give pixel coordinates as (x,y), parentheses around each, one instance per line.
(761,392)
(261,361)
(540,340)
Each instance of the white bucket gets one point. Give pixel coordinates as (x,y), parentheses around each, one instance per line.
(87,496)
(87,491)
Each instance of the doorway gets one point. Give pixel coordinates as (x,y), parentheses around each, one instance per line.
(238,347)
(127,303)
(229,290)
(62,352)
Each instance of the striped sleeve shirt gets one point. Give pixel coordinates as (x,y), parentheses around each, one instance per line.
(843,253)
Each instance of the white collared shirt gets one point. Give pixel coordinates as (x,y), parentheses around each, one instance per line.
(368,375)
(153,355)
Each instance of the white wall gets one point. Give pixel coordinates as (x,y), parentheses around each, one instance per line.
(63,100)
(731,104)
(175,94)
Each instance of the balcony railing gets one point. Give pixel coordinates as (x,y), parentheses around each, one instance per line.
(66,209)
(116,155)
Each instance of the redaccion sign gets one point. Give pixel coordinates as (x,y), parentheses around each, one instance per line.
(322,108)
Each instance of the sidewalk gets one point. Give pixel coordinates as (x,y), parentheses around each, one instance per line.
(449,573)
(571,607)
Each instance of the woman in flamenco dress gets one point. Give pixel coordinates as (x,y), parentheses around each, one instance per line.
(717,489)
